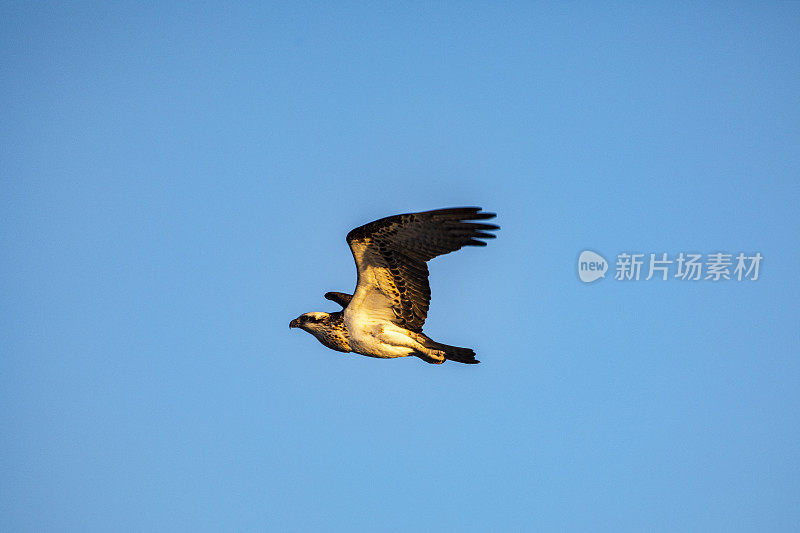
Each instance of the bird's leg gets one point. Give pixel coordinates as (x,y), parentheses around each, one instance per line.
(434,357)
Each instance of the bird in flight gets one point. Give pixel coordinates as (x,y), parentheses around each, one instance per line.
(385,315)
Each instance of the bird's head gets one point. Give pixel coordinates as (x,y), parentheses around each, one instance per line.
(311,322)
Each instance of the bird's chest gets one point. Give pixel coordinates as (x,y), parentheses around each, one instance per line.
(335,340)
(364,333)
(367,337)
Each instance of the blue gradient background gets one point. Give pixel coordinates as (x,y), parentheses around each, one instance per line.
(177,182)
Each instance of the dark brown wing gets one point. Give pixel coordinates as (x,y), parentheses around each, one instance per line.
(339,297)
(390,256)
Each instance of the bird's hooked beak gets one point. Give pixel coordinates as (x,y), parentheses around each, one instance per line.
(294,324)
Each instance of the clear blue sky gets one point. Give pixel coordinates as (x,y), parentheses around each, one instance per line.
(177,182)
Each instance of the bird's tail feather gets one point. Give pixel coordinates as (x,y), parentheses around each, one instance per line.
(462,355)
(453,353)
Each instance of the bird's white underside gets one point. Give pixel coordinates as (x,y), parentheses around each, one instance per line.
(369,317)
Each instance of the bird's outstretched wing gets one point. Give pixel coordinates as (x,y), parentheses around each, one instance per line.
(390,256)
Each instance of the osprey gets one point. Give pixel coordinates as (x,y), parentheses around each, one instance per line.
(385,315)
